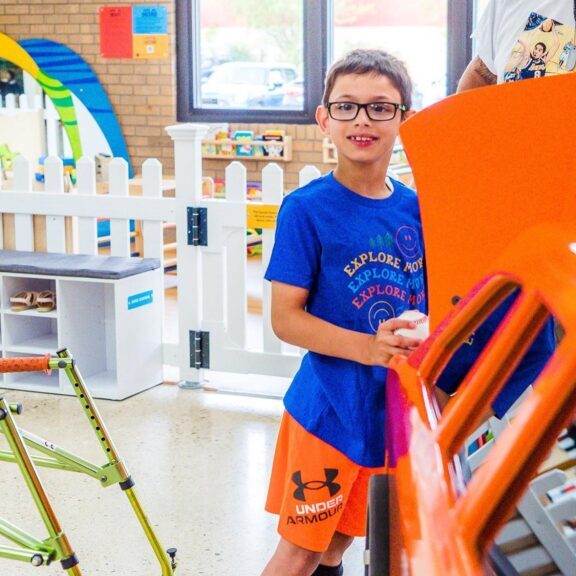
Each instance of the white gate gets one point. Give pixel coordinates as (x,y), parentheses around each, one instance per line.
(212,288)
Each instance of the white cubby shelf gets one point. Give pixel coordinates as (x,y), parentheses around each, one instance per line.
(112,327)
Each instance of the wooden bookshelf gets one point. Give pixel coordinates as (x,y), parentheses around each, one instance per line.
(257,145)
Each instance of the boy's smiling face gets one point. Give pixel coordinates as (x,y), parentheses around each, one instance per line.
(362,140)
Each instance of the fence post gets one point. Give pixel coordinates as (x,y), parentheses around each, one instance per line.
(23,223)
(53,182)
(236,266)
(152,232)
(272,193)
(11,102)
(188,173)
(87,226)
(307,174)
(119,228)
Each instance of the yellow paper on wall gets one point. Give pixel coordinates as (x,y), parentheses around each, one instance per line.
(150,45)
(262,216)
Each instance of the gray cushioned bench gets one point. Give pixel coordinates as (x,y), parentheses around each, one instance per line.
(77,265)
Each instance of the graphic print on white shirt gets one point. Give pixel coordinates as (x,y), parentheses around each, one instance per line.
(546,47)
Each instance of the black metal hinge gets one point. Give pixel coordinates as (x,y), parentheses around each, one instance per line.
(197,226)
(199,349)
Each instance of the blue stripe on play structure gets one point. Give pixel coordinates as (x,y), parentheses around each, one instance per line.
(83,81)
(96,111)
(58,63)
(73,72)
(69,70)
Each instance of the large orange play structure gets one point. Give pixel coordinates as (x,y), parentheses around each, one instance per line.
(444,528)
(495,171)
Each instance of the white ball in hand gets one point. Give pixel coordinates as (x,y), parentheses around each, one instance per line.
(422,330)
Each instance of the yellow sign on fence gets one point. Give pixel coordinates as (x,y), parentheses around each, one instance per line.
(262,216)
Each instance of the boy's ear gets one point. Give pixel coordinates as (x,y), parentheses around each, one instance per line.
(322,118)
(408,114)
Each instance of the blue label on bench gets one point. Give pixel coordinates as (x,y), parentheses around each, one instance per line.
(137,300)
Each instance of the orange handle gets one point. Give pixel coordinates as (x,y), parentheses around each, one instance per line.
(34,364)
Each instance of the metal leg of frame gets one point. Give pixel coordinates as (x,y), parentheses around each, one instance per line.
(125,480)
(59,539)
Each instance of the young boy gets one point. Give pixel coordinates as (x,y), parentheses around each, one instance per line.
(348,260)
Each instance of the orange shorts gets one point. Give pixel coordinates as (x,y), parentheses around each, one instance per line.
(315,489)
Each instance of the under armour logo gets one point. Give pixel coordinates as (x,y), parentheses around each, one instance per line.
(333,487)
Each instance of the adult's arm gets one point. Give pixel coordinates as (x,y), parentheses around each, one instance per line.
(476,75)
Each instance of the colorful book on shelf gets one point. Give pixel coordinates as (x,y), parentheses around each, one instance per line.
(244,136)
(271,149)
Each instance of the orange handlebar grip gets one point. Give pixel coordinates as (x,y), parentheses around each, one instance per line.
(34,364)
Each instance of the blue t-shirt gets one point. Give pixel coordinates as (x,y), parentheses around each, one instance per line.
(362,261)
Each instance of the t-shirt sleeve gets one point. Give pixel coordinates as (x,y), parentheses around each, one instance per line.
(524,375)
(528,370)
(295,257)
(484,36)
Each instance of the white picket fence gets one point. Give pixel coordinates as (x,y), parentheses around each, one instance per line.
(212,294)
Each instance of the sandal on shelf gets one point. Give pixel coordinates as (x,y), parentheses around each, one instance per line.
(23,300)
(46,301)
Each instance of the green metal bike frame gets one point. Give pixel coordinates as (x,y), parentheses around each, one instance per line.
(57,547)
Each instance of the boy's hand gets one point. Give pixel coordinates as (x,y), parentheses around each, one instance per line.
(385,344)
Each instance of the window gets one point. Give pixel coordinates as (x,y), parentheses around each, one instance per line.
(250,60)
(415,31)
(254,61)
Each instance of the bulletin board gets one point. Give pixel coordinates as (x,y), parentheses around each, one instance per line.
(134,32)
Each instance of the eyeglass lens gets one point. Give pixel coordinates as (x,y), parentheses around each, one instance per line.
(350,110)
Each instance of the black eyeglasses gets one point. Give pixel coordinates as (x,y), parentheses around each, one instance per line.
(377,111)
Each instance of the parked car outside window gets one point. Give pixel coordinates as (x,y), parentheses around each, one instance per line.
(293,94)
(246,84)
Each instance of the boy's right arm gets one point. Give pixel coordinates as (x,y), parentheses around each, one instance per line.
(294,324)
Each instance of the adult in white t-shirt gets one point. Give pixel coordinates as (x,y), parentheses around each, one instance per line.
(522,39)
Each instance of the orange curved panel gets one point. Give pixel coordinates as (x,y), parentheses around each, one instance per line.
(488,164)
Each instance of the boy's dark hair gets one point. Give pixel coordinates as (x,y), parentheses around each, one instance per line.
(371,62)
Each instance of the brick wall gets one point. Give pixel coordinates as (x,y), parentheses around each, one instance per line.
(142,92)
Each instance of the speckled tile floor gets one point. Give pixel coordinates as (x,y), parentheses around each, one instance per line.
(200,461)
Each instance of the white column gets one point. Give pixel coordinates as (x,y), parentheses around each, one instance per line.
(272,193)
(87,226)
(188,172)
(119,228)
(53,182)
(23,223)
